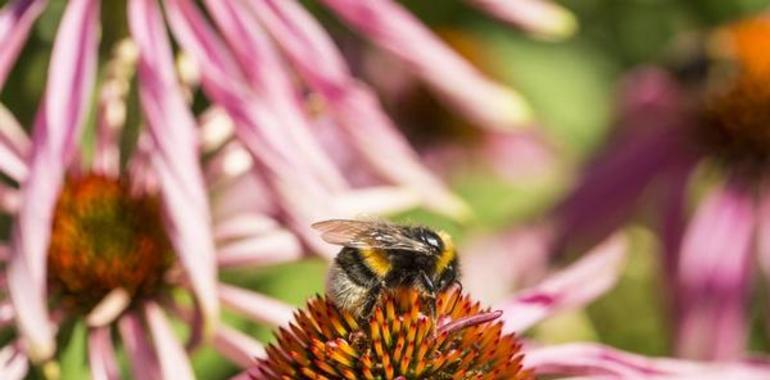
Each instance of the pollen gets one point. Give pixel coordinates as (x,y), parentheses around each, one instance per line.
(105,237)
(401,340)
(737,103)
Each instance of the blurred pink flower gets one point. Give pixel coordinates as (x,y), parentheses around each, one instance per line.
(673,139)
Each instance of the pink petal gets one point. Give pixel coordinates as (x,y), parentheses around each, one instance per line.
(572,287)
(14,147)
(376,200)
(258,125)
(458,83)
(763,234)
(714,272)
(173,129)
(377,139)
(254,305)
(243,225)
(267,73)
(540,17)
(303,197)
(590,359)
(13,364)
(109,308)
(266,249)
(172,357)
(16,19)
(139,350)
(101,355)
(240,348)
(70,79)
(611,187)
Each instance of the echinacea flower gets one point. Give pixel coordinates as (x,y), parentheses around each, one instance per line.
(678,139)
(113,239)
(400,340)
(403,339)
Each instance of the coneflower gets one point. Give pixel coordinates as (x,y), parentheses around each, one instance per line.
(401,340)
(671,130)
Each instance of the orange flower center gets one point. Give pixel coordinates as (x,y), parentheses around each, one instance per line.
(738,101)
(105,237)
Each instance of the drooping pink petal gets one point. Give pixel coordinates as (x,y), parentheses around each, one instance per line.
(140,352)
(376,138)
(539,17)
(13,364)
(269,78)
(458,83)
(257,306)
(172,357)
(302,196)
(243,225)
(258,125)
(14,147)
(70,80)
(376,200)
(652,139)
(240,348)
(16,19)
(175,161)
(599,361)
(265,249)
(713,273)
(101,355)
(763,232)
(571,287)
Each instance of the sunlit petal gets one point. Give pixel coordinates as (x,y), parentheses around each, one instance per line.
(16,19)
(469,92)
(590,359)
(572,287)
(70,79)
(173,129)
(172,358)
(265,249)
(257,306)
(101,355)
(539,17)
(240,348)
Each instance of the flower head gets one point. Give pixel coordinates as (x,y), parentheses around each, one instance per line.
(401,340)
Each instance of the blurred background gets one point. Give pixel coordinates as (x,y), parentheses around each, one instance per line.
(572,85)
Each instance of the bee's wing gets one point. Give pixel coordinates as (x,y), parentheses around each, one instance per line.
(368,234)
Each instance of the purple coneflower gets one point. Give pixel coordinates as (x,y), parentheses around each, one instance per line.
(112,239)
(708,141)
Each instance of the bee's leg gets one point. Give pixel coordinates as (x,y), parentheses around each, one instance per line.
(371,300)
(431,289)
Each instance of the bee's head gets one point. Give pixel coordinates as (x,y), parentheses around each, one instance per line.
(432,239)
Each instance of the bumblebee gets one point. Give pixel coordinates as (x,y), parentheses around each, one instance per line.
(378,256)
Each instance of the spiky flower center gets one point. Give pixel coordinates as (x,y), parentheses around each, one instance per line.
(401,341)
(737,104)
(105,237)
